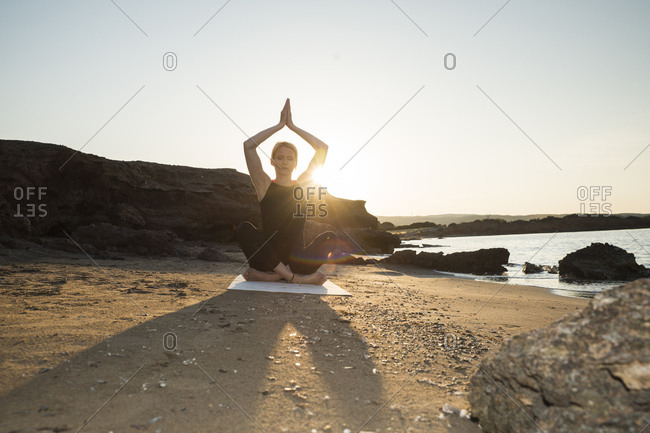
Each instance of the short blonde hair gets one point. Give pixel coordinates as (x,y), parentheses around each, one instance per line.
(286,144)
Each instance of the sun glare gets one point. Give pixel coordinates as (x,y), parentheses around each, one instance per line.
(340,185)
(320,177)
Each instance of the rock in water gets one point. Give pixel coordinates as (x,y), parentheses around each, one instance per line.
(601,262)
(587,372)
(551,269)
(530,268)
(488,261)
(403,257)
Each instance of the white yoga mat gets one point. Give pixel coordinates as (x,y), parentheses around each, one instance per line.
(329,288)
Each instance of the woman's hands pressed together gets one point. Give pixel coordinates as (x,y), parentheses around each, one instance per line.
(285,116)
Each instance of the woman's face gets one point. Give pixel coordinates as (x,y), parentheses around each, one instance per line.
(284,160)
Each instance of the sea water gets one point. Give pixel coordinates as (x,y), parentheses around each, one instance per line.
(544,249)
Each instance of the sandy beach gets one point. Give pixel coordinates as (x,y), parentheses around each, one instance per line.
(159,345)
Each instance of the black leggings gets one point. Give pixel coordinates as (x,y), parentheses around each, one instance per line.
(261,256)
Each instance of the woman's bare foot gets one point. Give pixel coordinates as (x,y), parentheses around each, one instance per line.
(251,274)
(317,278)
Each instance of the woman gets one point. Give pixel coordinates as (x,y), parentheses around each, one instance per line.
(278,251)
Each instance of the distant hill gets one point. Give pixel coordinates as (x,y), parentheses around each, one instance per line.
(445,219)
(549,224)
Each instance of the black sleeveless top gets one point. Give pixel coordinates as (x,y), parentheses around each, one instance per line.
(282,210)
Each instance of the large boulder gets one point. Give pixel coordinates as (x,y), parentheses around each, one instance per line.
(344,213)
(588,372)
(403,257)
(601,262)
(488,261)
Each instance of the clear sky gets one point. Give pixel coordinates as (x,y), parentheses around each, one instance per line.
(547,97)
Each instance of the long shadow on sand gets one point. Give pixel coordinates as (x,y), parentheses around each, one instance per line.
(244,362)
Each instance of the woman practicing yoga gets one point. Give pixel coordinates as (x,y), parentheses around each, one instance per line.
(278,251)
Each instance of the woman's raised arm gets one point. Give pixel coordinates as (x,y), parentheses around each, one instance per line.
(319,146)
(260,179)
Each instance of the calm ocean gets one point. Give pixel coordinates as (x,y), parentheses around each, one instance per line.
(545,249)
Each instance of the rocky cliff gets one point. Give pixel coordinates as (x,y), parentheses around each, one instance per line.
(100,198)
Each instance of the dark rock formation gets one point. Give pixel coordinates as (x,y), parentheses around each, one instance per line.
(194,204)
(488,261)
(587,372)
(403,257)
(343,214)
(40,198)
(601,262)
(427,260)
(530,268)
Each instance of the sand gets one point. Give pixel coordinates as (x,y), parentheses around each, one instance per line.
(159,345)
